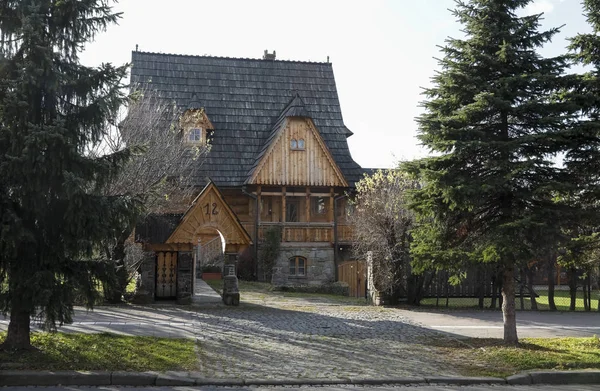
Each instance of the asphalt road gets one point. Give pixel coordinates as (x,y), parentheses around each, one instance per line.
(328,388)
(489,324)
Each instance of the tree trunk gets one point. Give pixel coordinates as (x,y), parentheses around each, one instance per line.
(530,288)
(508,306)
(494,290)
(18,337)
(573,288)
(480,286)
(586,306)
(551,271)
(522,288)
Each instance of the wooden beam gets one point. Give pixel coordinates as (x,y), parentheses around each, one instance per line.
(307,230)
(283,213)
(292,194)
(331,201)
(259,211)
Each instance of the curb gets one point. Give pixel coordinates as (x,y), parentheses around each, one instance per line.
(120,378)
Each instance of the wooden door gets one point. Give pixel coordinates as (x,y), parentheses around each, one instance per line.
(166,275)
(353,273)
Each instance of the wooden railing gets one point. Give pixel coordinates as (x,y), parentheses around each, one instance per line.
(300,232)
(344,232)
(303,232)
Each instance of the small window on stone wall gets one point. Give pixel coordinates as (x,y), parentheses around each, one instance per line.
(297,266)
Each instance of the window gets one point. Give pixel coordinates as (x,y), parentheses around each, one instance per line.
(291,210)
(195,135)
(297,266)
(319,205)
(297,145)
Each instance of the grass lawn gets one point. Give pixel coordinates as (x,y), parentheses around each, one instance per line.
(487,357)
(562,300)
(109,352)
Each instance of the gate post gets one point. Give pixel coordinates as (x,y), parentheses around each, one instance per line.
(184,277)
(373,294)
(147,282)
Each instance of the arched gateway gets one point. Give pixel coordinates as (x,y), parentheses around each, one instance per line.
(170,271)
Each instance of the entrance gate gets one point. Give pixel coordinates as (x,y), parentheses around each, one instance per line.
(166,275)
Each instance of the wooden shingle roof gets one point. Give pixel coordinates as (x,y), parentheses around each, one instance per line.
(244,99)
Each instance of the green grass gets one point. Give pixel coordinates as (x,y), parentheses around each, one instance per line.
(561,299)
(108,352)
(488,357)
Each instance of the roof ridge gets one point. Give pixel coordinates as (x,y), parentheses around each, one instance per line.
(231,58)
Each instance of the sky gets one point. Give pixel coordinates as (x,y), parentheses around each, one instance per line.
(382,51)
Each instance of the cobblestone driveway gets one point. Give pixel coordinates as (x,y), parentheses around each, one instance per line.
(270,336)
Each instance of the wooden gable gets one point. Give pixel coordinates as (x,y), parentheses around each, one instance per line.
(195,118)
(287,163)
(209,212)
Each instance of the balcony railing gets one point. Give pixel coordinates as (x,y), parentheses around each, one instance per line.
(303,232)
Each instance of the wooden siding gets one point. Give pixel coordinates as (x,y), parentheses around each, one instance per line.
(311,166)
(209,212)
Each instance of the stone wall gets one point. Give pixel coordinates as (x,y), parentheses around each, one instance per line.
(319,269)
(147,282)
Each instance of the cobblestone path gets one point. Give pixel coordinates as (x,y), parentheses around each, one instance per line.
(273,336)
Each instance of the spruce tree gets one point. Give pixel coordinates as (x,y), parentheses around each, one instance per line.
(583,156)
(582,159)
(494,126)
(53,110)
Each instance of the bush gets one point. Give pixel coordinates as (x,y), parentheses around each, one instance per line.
(246,266)
(336,288)
(212,269)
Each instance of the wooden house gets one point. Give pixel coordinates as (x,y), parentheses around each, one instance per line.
(278,157)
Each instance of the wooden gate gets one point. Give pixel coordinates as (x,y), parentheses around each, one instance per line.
(166,275)
(354,274)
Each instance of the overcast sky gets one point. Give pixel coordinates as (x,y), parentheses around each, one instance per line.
(382,51)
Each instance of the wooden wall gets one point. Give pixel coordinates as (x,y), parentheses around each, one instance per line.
(312,166)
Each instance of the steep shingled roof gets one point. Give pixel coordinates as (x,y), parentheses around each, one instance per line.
(243,99)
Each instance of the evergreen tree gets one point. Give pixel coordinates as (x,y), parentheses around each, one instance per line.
(494,125)
(582,159)
(52,110)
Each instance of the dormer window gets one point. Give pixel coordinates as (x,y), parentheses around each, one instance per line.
(195,135)
(297,145)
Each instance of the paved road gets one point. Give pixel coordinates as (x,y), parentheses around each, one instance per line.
(488,324)
(326,388)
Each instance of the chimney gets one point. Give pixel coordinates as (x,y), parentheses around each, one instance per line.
(269,56)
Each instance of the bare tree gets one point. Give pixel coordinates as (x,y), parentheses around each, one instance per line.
(159,172)
(381,224)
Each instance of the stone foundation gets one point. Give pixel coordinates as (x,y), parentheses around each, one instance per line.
(319,269)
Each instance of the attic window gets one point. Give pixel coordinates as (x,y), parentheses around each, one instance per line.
(297,145)
(194,135)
